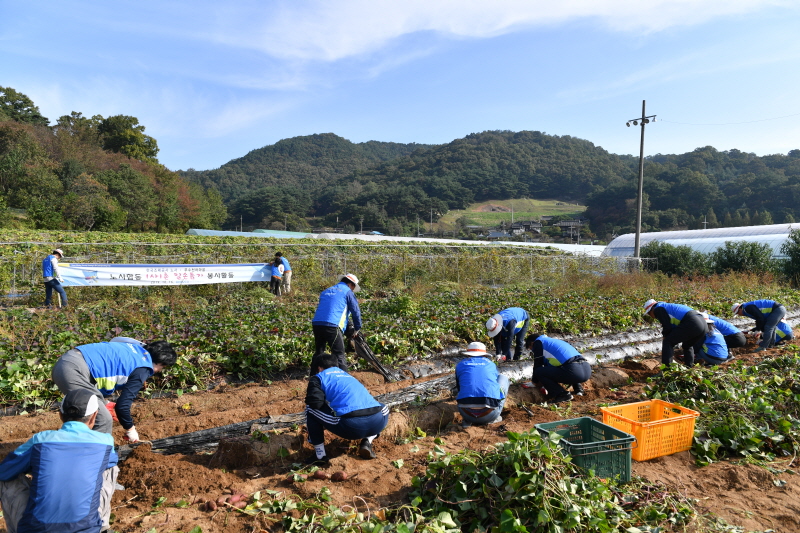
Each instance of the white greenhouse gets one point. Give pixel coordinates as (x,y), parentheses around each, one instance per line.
(706,240)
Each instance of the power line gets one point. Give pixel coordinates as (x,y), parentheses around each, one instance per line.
(731,123)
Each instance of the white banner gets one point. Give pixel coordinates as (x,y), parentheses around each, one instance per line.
(101,274)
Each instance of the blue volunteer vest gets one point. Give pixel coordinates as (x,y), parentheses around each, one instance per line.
(723,326)
(110,363)
(714,345)
(477,378)
(514,313)
(276,271)
(286,265)
(343,392)
(47,266)
(765,306)
(676,312)
(783,331)
(332,308)
(556,351)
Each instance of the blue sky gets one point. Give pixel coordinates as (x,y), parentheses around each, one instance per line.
(213,80)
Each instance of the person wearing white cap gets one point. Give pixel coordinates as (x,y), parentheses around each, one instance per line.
(680,325)
(767,314)
(336,305)
(508,324)
(481,389)
(52,278)
(73,472)
(712,350)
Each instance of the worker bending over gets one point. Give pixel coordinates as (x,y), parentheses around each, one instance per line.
(122,365)
(336,305)
(481,390)
(73,471)
(508,324)
(712,350)
(338,402)
(555,362)
(767,314)
(734,337)
(680,325)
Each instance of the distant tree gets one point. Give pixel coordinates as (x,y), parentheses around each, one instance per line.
(788,218)
(675,260)
(711,219)
(124,134)
(742,256)
(728,220)
(791,249)
(766,218)
(19,107)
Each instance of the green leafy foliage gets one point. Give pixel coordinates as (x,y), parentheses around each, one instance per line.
(743,256)
(744,411)
(527,484)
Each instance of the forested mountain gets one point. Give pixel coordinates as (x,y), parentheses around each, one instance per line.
(329,177)
(731,188)
(93,174)
(309,163)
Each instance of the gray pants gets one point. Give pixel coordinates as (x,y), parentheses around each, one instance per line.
(14,498)
(493,414)
(768,335)
(287,281)
(70,373)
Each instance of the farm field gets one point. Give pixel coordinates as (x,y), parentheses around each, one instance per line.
(492,212)
(244,355)
(160,489)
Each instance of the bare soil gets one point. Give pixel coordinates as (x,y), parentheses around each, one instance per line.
(748,496)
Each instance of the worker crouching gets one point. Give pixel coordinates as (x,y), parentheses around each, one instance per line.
(338,402)
(481,389)
(556,362)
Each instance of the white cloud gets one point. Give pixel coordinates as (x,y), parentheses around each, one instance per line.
(318,30)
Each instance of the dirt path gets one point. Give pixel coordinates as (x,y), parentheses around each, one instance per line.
(745,495)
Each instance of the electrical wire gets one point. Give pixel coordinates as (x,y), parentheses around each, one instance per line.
(730,123)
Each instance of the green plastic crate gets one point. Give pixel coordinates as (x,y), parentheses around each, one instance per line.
(594,445)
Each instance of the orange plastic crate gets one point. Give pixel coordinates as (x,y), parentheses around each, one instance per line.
(661,428)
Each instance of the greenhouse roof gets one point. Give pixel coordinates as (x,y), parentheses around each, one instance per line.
(705,240)
(263,234)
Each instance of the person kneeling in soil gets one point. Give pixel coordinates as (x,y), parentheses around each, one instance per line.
(680,325)
(338,402)
(712,350)
(555,362)
(767,314)
(73,472)
(481,390)
(122,365)
(783,333)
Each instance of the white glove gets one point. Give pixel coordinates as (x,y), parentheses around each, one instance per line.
(132,435)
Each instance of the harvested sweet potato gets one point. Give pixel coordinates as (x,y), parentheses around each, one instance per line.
(339,476)
(321,474)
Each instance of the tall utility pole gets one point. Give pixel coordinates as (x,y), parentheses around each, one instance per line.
(644,119)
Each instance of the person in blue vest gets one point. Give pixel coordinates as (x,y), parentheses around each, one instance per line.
(73,471)
(680,325)
(713,350)
(556,362)
(121,365)
(783,332)
(481,389)
(338,402)
(734,337)
(286,288)
(336,305)
(767,314)
(52,278)
(277,275)
(508,324)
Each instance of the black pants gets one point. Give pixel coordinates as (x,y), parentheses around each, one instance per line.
(688,334)
(552,376)
(518,340)
(275,286)
(325,336)
(737,340)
